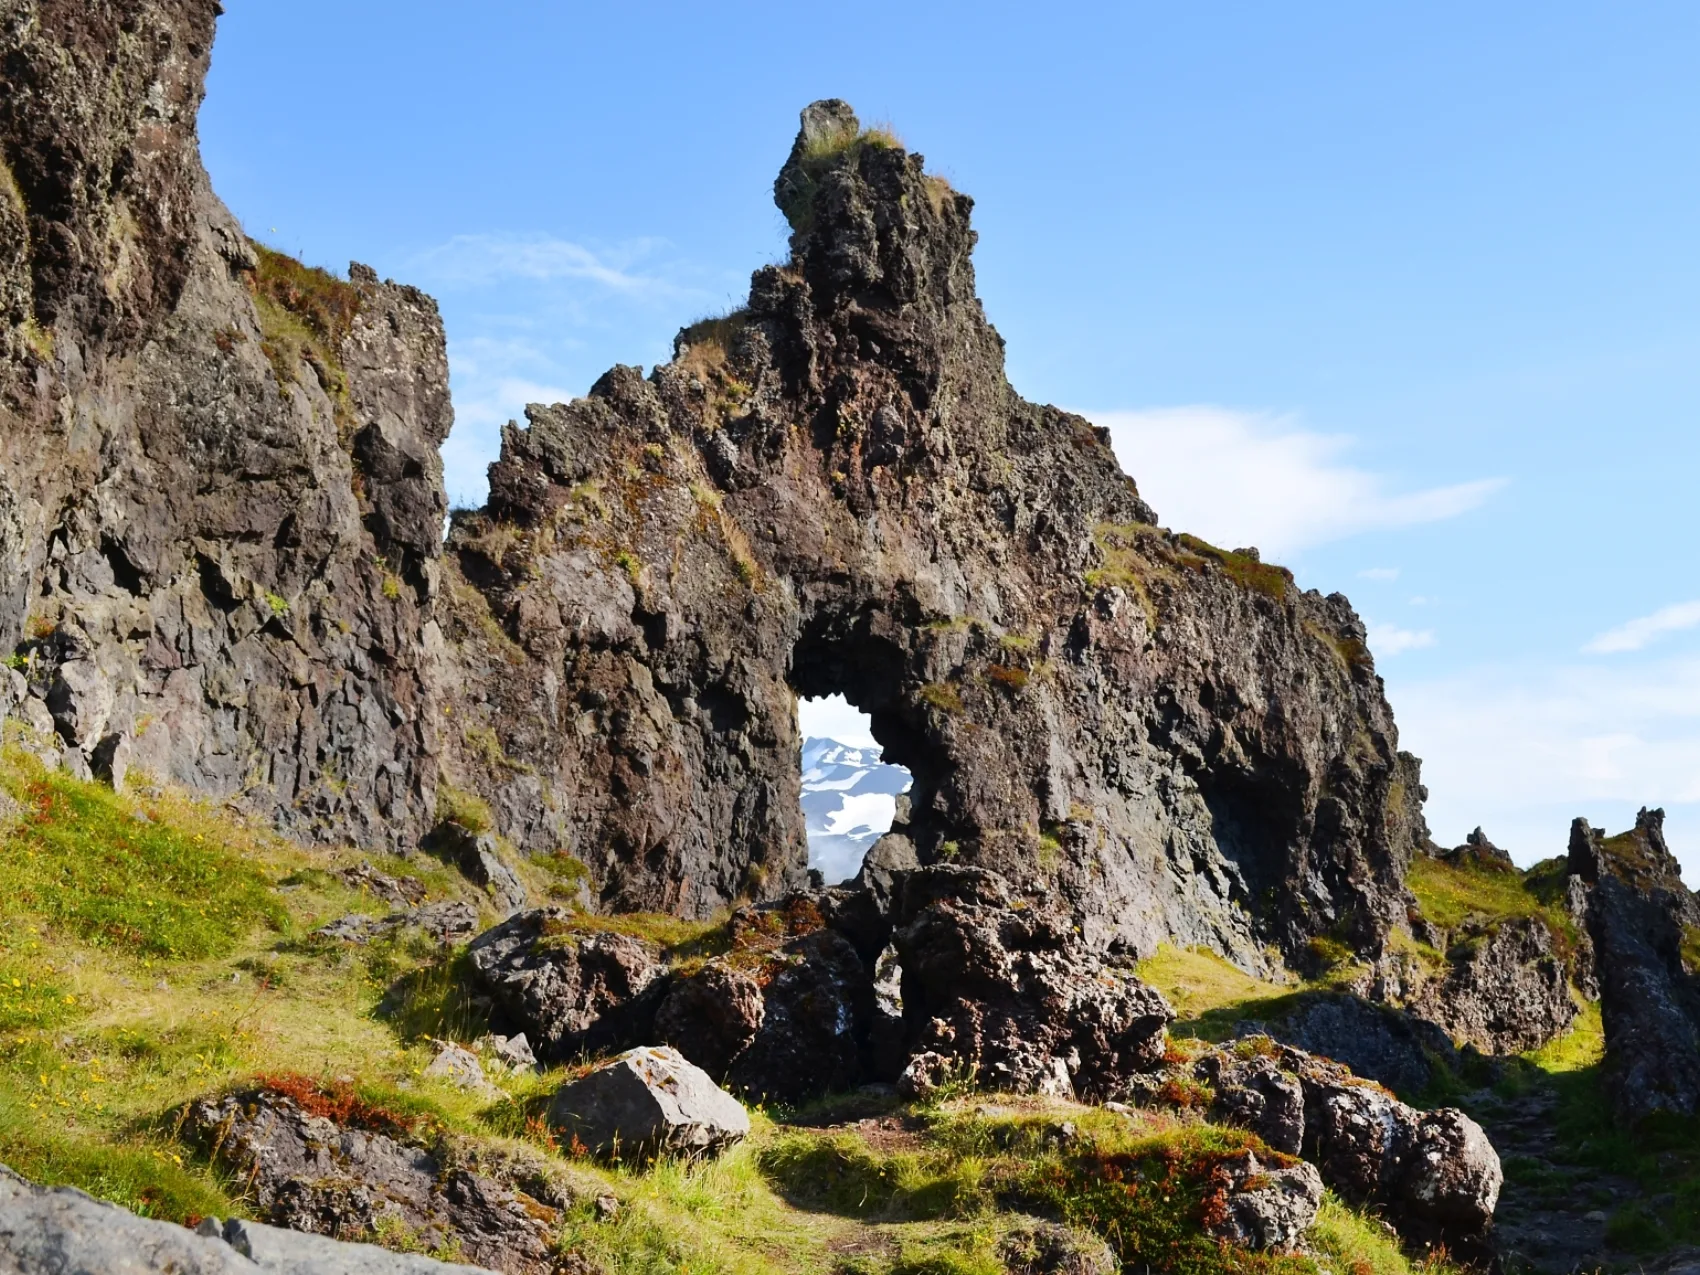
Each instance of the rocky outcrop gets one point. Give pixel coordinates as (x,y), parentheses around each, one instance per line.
(571,991)
(835,490)
(220,506)
(220,495)
(329,1164)
(1377,1041)
(1505,990)
(1434,1173)
(1645,925)
(648,1102)
(61,1231)
(786,1015)
(1004,990)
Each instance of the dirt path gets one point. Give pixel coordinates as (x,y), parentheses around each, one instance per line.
(1552,1212)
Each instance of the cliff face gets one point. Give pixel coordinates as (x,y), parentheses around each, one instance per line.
(835,490)
(220,557)
(220,496)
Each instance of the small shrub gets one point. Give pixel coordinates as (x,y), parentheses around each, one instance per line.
(279,604)
(943,696)
(1008,675)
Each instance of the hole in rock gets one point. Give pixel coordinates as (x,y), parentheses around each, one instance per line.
(850,791)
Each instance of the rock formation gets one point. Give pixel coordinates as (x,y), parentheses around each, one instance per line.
(221,562)
(327,1163)
(59,1230)
(1434,1172)
(835,490)
(220,494)
(1645,925)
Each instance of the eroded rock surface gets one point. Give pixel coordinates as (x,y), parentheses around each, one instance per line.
(1435,1173)
(1645,925)
(61,1231)
(835,490)
(329,1165)
(1003,989)
(572,991)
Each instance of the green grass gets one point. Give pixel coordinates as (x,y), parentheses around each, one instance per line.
(80,859)
(470,811)
(305,315)
(1580,1048)
(114,1022)
(1243,569)
(1472,894)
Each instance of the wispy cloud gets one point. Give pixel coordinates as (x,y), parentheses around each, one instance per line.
(1523,749)
(1380,573)
(1246,478)
(1390,639)
(1641,632)
(485,259)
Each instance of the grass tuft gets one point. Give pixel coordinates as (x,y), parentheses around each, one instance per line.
(305,315)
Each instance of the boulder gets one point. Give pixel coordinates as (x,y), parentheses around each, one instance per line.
(61,1231)
(1378,1042)
(460,1067)
(444,923)
(649,1101)
(1434,1173)
(788,1013)
(1506,989)
(1005,989)
(327,1163)
(512,1052)
(1260,1205)
(571,991)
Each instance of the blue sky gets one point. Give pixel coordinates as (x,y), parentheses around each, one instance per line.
(1408,295)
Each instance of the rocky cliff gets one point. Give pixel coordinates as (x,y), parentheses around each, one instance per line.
(220,495)
(220,546)
(834,490)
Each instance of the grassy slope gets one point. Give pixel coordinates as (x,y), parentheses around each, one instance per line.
(155,950)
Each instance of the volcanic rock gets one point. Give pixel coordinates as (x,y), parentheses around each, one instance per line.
(1645,924)
(1263,1206)
(1005,990)
(1504,991)
(835,490)
(220,513)
(330,1165)
(1435,1173)
(61,1231)
(649,1101)
(572,991)
(1048,1248)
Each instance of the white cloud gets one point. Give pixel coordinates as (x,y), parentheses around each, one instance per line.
(1380,573)
(478,260)
(834,717)
(1390,639)
(1243,478)
(1638,633)
(1523,750)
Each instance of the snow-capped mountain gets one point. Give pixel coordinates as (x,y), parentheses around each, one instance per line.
(849,800)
